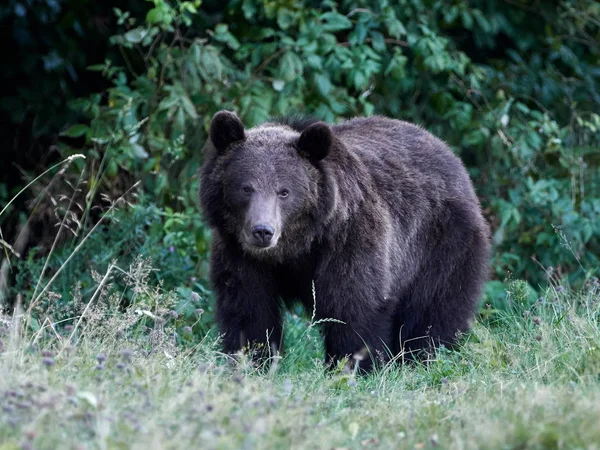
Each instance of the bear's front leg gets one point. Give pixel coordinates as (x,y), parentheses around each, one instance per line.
(360,344)
(355,296)
(248,318)
(247,310)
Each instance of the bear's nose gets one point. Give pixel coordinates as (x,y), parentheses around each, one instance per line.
(262,234)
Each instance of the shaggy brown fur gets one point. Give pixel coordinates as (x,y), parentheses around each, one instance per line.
(378,212)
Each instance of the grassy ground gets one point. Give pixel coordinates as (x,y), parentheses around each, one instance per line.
(528,378)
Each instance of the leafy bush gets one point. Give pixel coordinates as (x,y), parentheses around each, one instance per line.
(174,264)
(516,98)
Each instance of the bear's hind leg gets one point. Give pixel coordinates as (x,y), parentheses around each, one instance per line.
(442,301)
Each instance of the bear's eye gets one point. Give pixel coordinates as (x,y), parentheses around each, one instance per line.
(284,193)
(247,190)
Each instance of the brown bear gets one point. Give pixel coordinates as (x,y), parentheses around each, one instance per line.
(378,213)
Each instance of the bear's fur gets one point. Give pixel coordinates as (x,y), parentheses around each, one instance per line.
(379,213)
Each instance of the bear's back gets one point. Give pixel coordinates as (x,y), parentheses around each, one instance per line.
(402,155)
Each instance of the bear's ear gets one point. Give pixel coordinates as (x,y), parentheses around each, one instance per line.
(226,128)
(315,141)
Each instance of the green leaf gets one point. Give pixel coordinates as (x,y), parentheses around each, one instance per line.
(395,28)
(358,35)
(167,102)
(249,9)
(378,41)
(314,61)
(467,19)
(396,68)
(189,108)
(75,131)
(189,7)
(222,34)
(290,66)
(139,151)
(208,62)
(154,16)
(323,84)
(335,21)
(358,79)
(285,18)
(136,35)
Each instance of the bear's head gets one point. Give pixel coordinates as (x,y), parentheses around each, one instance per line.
(261,185)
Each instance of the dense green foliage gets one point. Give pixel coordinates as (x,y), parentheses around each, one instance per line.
(513,88)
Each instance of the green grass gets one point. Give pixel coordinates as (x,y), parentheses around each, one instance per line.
(524,378)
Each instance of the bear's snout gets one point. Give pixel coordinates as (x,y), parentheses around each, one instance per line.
(262,235)
(262,223)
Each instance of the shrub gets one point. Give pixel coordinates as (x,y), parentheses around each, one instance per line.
(517,98)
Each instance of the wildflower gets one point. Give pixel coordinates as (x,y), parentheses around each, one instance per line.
(48,361)
(199,312)
(174,314)
(195,297)
(126,354)
(187,330)
(171,249)
(537,320)
(101,357)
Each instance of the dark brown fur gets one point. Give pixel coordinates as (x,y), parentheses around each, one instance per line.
(378,212)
